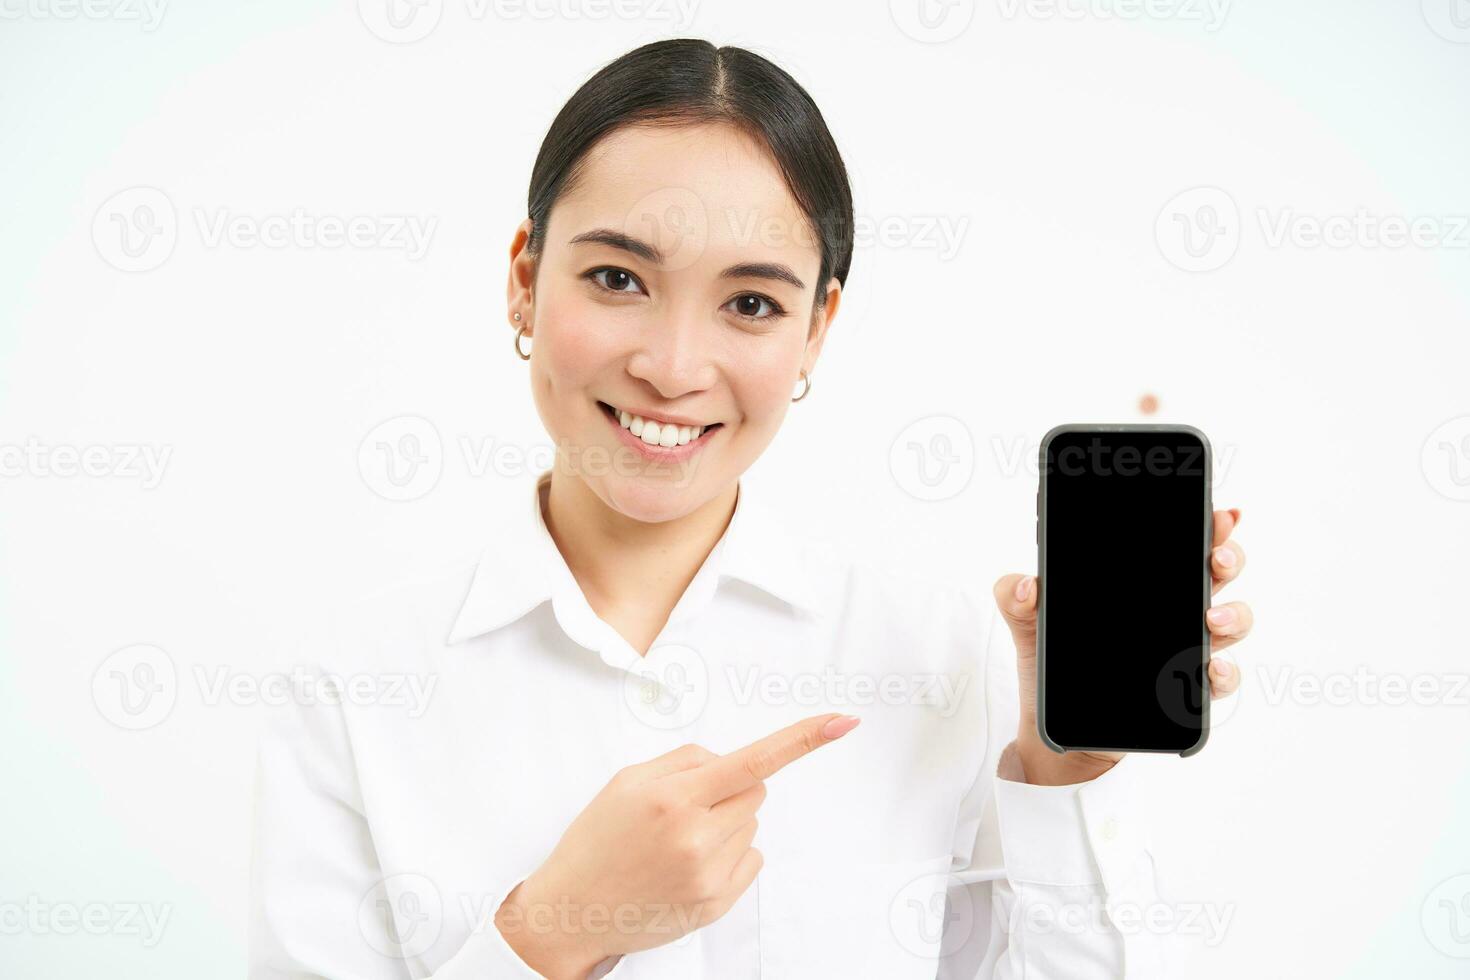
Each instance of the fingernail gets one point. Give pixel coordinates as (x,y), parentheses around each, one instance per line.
(1220,668)
(840,726)
(1220,615)
(1023,588)
(1235,513)
(1225,557)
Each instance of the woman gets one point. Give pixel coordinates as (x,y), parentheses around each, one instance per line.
(618,681)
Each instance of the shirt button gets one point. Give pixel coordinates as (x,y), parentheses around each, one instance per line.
(1110,829)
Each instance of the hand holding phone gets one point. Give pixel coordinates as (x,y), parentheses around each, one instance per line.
(1125,531)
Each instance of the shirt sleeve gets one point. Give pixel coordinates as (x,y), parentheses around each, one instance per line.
(320,906)
(1053,881)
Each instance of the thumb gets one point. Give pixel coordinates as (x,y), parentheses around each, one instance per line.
(1015,597)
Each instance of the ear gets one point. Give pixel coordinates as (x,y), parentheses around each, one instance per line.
(821,320)
(518,290)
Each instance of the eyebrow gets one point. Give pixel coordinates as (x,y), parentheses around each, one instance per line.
(651,254)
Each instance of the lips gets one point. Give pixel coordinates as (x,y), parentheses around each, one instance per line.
(656,432)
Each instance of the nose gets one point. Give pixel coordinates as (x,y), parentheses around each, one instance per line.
(675,354)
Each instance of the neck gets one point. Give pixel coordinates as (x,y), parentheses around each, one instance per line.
(631,572)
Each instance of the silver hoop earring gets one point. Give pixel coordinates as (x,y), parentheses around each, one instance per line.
(521,330)
(808,382)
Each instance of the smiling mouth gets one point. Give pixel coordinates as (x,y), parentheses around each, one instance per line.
(653,433)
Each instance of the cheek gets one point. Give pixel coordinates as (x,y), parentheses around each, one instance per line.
(571,358)
(763,386)
(573,348)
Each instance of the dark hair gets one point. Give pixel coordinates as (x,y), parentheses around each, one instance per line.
(690,80)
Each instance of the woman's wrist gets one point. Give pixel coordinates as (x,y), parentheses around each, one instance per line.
(530,927)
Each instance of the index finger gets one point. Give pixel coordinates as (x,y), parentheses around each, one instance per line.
(736,772)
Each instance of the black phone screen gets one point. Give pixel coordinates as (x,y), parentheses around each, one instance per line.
(1124,529)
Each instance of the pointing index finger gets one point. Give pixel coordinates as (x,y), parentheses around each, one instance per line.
(736,772)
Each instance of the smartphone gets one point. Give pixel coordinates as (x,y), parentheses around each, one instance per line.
(1124,529)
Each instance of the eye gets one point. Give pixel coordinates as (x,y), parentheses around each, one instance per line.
(751,307)
(615,280)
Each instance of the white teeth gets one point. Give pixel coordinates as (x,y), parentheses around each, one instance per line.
(657,434)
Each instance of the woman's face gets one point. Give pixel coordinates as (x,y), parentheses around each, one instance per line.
(675,286)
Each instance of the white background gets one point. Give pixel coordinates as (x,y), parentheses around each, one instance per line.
(1019,169)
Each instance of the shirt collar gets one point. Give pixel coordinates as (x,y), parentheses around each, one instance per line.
(522,567)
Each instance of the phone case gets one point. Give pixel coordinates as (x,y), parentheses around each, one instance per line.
(1041,581)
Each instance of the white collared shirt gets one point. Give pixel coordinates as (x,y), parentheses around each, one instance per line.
(479,711)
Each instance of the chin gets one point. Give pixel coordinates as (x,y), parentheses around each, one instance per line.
(656,498)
